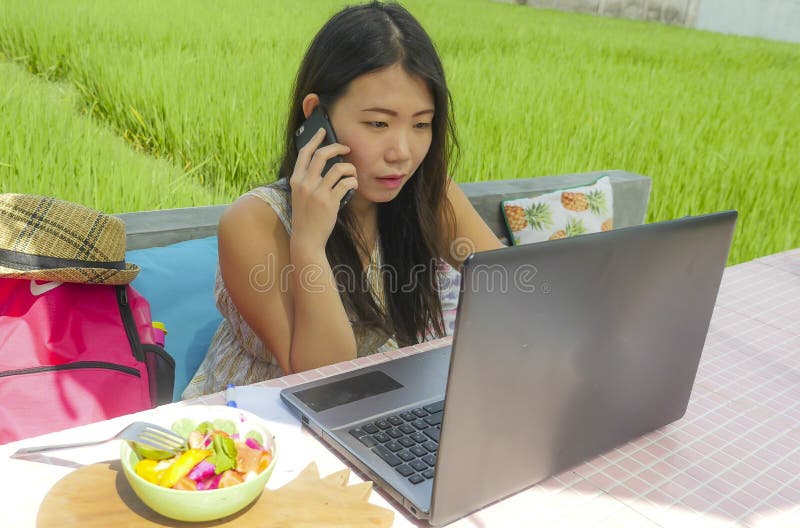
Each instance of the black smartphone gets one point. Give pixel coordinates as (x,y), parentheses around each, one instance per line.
(319,119)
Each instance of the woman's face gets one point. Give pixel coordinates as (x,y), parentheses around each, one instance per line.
(385,118)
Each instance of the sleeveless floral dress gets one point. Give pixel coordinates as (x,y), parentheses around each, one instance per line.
(236,354)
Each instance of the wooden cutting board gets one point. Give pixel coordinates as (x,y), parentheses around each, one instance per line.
(99,496)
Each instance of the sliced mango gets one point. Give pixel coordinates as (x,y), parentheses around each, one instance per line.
(146,469)
(182,466)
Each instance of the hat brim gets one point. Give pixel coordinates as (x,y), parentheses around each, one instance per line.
(76,275)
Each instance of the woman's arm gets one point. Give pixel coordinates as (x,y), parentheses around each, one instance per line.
(471,232)
(287,297)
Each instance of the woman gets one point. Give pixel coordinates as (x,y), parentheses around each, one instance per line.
(302,284)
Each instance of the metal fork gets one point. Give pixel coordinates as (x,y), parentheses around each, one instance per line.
(152,435)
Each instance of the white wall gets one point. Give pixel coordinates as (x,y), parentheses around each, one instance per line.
(669,11)
(772,19)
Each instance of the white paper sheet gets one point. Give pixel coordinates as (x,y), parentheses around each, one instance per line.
(266,403)
(293,445)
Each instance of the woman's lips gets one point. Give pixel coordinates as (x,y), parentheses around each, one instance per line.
(392,182)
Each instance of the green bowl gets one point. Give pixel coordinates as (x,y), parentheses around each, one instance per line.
(206,505)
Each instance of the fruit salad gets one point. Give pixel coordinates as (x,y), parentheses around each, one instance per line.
(217,456)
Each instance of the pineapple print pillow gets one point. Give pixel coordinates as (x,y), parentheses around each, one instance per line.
(560,214)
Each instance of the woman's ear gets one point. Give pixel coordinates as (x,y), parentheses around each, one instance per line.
(310,102)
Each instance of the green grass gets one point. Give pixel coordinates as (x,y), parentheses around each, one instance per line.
(203,87)
(48,148)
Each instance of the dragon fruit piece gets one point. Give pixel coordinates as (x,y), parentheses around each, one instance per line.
(253,444)
(210,483)
(201,472)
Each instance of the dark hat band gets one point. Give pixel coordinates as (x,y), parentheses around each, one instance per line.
(28,262)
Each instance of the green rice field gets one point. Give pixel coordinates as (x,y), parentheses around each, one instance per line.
(151,104)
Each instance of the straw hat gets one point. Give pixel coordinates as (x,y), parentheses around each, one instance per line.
(48,239)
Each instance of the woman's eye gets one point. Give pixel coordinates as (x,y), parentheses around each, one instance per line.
(377,124)
(422,125)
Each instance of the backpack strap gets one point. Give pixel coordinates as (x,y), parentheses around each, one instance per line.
(159,364)
(129,322)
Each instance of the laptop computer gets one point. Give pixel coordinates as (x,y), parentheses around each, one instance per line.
(562,350)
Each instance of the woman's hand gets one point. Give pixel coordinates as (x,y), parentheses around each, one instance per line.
(316,197)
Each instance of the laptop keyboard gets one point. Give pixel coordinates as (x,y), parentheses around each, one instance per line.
(406,441)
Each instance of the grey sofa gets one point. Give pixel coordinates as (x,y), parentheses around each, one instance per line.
(631,195)
(177,251)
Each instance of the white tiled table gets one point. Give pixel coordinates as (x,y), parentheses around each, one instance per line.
(733,460)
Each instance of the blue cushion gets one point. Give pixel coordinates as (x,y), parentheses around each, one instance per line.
(178,281)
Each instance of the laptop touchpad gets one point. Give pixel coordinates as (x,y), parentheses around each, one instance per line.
(330,395)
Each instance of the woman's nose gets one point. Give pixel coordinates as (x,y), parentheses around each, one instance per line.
(399,149)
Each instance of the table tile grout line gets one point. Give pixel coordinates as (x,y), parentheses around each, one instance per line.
(720,387)
(624,506)
(618,500)
(733,276)
(761,281)
(771,308)
(755,330)
(729,420)
(728,496)
(600,493)
(708,377)
(738,399)
(774,263)
(739,336)
(705,435)
(765,322)
(745,359)
(755,388)
(741,489)
(783,487)
(664,479)
(732,361)
(788,302)
(750,300)
(762,314)
(713,387)
(688,422)
(648,517)
(749,371)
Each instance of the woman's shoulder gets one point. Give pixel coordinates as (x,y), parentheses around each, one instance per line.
(276,194)
(260,207)
(250,228)
(279,186)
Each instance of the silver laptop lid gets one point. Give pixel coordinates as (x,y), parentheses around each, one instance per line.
(565,349)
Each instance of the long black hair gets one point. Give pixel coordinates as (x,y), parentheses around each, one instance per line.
(414,228)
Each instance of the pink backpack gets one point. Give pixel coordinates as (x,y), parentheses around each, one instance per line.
(72,354)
